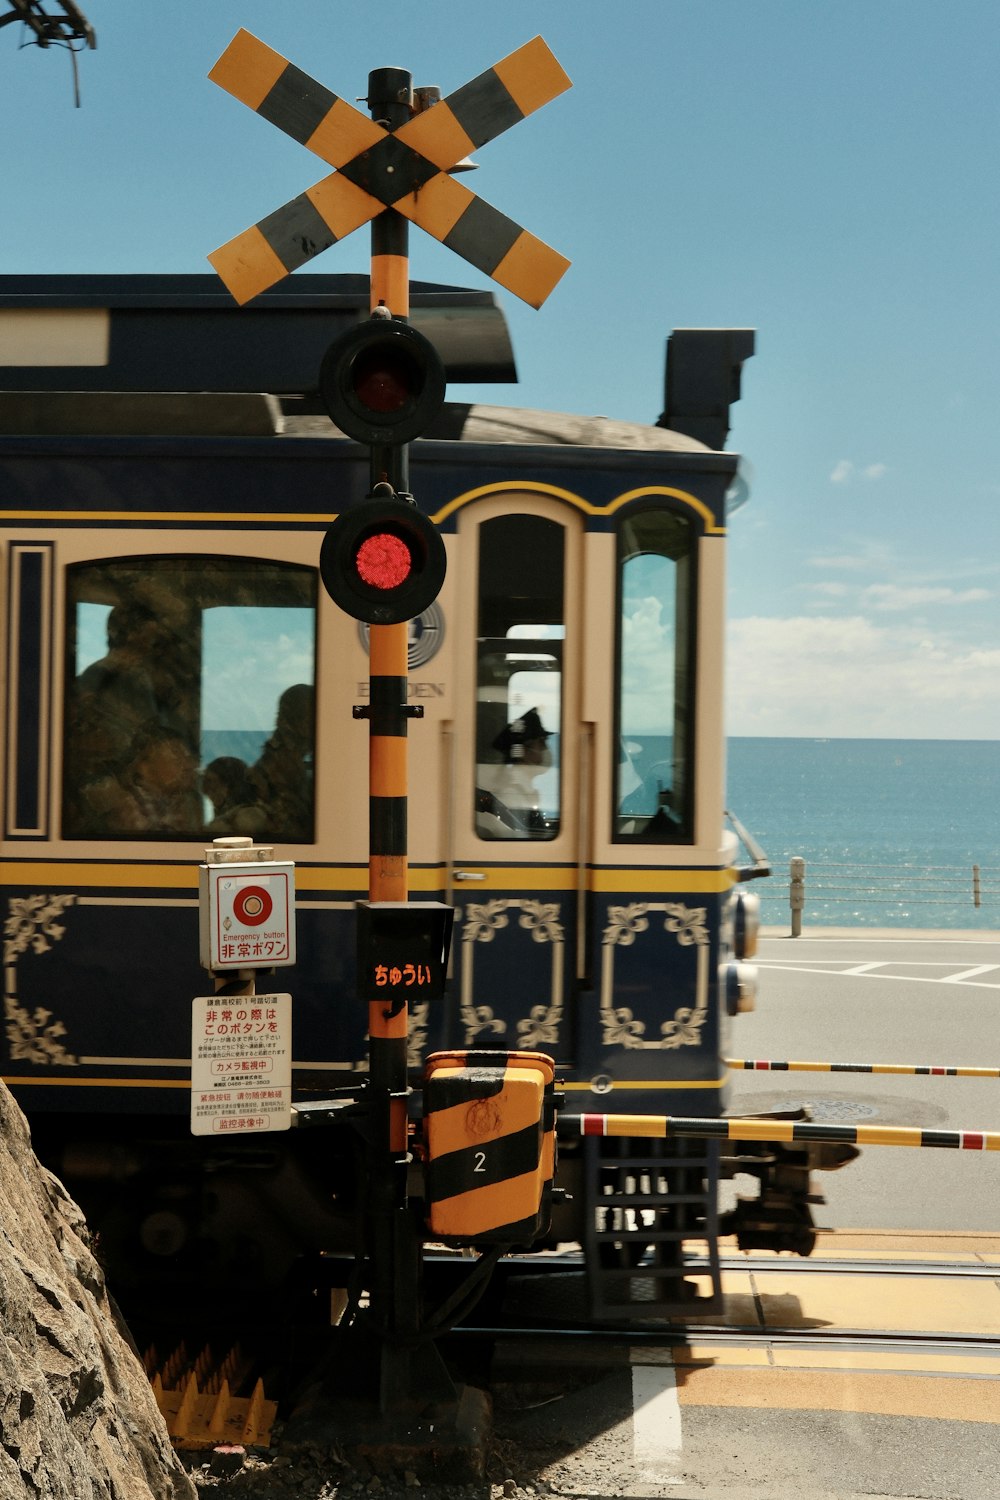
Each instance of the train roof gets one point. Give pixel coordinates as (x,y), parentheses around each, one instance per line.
(169,355)
(185,333)
(522,425)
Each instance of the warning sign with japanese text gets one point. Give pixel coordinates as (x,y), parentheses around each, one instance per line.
(241,1064)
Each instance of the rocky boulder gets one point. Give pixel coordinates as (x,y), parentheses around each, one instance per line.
(78,1420)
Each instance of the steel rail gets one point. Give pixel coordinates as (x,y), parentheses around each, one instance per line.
(743,1333)
(830,1266)
(573,1263)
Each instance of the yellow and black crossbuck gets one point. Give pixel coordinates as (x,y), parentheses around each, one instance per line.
(377,169)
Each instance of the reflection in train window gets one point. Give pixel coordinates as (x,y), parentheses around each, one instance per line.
(189,699)
(655,677)
(519,689)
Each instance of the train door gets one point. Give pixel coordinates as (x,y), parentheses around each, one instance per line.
(517,855)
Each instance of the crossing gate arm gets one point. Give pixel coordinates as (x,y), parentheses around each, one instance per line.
(756,1065)
(665,1126)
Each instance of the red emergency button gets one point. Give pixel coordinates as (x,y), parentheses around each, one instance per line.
(252,905)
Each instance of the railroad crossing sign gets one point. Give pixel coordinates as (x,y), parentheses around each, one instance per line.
(377,169)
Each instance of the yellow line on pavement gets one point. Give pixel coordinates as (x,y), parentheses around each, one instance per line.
(840,1361)
(955,1399)
(832,1302)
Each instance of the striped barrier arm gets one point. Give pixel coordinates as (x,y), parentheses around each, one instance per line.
(754,1065)
(661,1127)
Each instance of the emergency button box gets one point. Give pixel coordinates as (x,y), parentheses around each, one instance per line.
(246,908)
(489,1134)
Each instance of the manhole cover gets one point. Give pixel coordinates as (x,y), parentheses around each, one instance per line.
(839,1109)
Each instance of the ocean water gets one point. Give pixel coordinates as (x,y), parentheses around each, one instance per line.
(890,829)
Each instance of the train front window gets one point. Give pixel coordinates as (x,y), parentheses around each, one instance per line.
(189,699)
(655,678)
(519,689)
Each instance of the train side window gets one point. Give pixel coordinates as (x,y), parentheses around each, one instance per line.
(654,677)
(521,628)
(189,699)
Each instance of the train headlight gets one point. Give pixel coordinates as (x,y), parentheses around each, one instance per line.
(746,924)
(739,986)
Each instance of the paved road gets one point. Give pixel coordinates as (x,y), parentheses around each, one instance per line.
(811,1422)
(789,1405)
(911,998)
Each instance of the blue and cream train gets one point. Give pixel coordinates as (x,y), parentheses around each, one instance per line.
(173,671)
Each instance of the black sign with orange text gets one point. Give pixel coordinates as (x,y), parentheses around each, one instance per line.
(403,950)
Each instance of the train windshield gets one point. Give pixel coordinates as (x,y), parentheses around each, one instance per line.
(521,628)
(189,702)
(654,678)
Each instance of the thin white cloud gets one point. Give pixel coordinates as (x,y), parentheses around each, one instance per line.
(822,675)
(845,470)
(829,590)
(893,596)
(871,557)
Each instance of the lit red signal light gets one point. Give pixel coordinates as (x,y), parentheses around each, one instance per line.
(384,561)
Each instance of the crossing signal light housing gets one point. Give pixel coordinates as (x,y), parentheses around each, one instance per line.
(383,561)
(382,382)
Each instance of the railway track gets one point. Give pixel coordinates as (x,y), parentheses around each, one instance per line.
(572,1262)
(820,1313)
(756,1319)
(737,1333)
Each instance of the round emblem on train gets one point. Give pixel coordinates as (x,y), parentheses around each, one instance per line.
(425,636)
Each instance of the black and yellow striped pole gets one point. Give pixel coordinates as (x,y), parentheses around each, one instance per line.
(383,561)
(394,1250)
(395,1255)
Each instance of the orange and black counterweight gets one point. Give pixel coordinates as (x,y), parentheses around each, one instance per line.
(489,1134)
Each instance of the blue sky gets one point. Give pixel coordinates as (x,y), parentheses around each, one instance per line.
(824,173)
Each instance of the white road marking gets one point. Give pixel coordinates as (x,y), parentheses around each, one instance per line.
(965,974)
(777,966)
(656,1420)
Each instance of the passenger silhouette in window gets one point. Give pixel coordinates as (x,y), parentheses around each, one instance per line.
(153,791)
(226,783)
(115,696)
(282,779)
(162,777)
(507,799)
(116,722)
